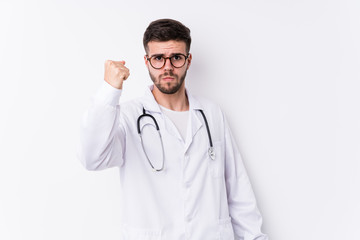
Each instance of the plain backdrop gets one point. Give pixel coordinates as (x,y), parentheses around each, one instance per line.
(286,74)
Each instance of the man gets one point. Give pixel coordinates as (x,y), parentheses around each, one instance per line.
(184,181)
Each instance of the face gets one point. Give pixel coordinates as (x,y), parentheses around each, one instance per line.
(167,79)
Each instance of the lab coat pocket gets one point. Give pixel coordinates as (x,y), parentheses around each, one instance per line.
(132,233)
(216,166)
(226,229)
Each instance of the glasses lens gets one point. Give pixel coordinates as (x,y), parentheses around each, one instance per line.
(157,61)
(178,60)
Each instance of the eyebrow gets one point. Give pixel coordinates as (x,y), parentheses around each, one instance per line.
(161,54)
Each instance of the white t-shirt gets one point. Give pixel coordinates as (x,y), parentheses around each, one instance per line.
(180,120)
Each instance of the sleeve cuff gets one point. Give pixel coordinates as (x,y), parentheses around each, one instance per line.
(107,94)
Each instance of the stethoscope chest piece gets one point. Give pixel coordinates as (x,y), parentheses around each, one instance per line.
(211,153)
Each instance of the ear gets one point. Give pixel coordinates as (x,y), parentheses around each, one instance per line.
(189,61)
(146,61)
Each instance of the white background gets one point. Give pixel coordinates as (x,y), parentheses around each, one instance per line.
(286,73)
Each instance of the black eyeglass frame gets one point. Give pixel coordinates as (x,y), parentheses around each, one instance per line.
(166,58)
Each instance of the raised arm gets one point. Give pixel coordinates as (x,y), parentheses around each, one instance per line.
(102,136)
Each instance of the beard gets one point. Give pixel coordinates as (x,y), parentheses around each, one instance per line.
(168,87)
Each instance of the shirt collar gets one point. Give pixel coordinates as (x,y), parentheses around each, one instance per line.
(150,104)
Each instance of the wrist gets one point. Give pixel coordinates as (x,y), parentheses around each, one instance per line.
(115,85)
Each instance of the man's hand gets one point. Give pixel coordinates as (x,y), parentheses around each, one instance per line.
(116,73)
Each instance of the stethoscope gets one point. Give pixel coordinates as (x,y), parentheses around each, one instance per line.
(211,151)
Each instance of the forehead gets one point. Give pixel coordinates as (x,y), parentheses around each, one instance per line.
(168,47)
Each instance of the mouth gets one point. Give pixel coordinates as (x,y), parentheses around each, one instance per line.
(168,79)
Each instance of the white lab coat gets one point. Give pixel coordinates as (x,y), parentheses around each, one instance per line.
(194,197)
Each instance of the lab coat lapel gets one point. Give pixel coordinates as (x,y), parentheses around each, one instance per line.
(152,106)
(149,102)
(195,122)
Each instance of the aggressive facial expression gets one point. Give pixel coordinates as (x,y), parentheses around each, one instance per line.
(167,79)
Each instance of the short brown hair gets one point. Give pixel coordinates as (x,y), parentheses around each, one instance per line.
(165,30)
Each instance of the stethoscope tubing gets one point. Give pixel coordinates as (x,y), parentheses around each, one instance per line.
(210,150)
(207,127)
(146,115)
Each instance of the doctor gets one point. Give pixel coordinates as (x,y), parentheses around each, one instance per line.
(185,180)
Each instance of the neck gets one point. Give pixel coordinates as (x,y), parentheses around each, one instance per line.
(177,101)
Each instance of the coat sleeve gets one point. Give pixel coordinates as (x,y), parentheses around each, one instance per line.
(245,216)
(102,137)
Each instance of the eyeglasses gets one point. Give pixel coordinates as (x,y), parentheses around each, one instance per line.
(177,60)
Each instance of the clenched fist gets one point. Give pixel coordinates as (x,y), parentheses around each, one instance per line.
(116,73)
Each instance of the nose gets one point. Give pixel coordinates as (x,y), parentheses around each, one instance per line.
(168,65)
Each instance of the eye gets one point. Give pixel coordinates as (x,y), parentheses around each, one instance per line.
(158,58)
(177,57)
